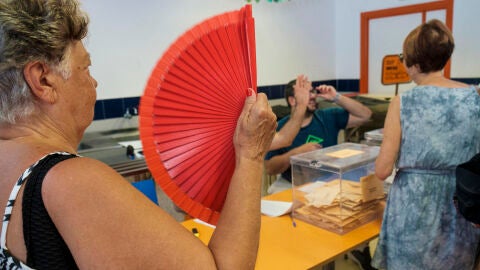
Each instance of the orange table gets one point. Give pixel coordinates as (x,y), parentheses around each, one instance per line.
(283,246)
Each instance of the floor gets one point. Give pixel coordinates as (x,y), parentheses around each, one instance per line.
(348,264)
(345,264)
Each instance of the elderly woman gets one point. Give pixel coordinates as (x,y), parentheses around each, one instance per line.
(428,131)
(68,212)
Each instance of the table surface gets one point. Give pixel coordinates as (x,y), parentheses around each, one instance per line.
(283,246)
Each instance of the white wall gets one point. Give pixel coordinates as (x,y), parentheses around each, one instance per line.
(295,37)
(317,37)
(465,59)
(347,24)
(347,27)
(127,38)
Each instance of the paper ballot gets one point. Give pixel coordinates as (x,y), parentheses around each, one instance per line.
(275,208)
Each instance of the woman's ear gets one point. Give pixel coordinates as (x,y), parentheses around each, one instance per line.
(417,68)
(39,77)
(413,70)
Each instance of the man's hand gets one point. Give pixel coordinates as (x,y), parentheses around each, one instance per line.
(327,92)
(302,89)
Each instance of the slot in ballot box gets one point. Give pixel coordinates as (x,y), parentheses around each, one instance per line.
(335,188)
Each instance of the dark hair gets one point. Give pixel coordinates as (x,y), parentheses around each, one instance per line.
(289,91)
(430,45)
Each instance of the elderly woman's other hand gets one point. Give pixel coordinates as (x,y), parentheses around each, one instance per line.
(255,128)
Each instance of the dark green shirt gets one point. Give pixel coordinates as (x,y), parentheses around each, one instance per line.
(324,128)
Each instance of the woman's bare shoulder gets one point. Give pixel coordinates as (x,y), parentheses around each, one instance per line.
(456,84)
(81,171)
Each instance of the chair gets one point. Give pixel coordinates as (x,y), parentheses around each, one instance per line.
(267,181)
(148,188)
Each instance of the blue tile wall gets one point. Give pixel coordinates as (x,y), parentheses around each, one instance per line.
(114,108)
(99,110)
(131,103)
(475,81)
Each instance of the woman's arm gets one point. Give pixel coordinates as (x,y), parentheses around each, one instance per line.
(108,224)
(235,240)
(359,113)
(390,147)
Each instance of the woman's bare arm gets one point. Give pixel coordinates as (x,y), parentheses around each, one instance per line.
(392,134)
(108,224)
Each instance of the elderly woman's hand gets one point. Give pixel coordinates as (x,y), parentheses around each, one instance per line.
(256,127)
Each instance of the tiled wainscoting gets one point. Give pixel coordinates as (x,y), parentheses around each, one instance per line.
(127,108)
(119,107)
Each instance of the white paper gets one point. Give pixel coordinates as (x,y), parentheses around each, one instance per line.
(275,208)
(204,223)
(312,186)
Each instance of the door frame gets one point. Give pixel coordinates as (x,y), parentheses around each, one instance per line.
(365,18)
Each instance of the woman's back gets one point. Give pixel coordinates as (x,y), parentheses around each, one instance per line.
(440,127)
(15,158)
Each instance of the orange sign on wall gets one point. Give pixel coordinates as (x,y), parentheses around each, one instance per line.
(393,70)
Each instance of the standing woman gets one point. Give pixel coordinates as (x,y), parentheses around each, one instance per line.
(428,131)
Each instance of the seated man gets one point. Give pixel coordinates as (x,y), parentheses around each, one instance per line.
(319,129)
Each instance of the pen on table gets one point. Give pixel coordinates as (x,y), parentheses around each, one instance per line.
(195,232)
(293,221)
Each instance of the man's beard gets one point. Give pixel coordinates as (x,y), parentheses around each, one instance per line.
(309,112)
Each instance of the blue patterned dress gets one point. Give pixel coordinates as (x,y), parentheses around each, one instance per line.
(421,228)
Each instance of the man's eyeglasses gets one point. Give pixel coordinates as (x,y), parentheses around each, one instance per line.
(400,55)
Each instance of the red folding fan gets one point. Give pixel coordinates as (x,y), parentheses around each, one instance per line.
(189,111)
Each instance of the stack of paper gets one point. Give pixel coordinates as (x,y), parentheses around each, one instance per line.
(342,204)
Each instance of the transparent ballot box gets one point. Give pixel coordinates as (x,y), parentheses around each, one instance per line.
(374,137)
(335,188)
